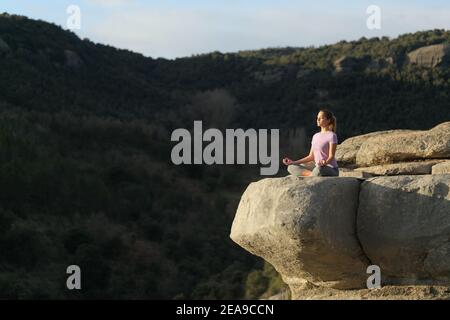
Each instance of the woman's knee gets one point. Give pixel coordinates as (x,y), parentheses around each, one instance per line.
(293,169)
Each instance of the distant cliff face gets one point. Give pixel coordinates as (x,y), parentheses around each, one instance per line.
(323,232)
(430,56)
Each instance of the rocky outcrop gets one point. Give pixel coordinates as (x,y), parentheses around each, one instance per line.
(344,172)
(404,227)
(441,168)
(400,146)
(393,146)
(402,168)
(430,56)
(306,238)
(320,233)
(348,149)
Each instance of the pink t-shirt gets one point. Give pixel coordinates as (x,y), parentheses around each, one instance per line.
(321,145)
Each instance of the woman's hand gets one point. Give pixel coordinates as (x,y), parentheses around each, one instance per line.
(322,163)
(287,161)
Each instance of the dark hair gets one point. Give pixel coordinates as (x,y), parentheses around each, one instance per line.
(329,115)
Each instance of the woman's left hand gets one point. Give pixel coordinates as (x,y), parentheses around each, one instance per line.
(321,162)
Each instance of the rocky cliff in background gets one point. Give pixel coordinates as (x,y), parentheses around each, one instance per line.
(321,233)
(430,56)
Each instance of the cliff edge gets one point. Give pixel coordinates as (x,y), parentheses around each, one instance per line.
(321,233)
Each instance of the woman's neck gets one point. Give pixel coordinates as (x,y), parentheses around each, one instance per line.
(324,130)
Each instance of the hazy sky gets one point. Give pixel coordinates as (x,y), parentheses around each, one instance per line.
(170,28)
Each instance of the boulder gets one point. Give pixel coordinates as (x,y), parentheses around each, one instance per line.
(405,146)
(402,168)
(404,227)
(344,172)
(305,228)
(430,56)
(441,168)
(346,151)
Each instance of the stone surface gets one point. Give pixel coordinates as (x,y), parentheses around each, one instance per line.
(402,168)
(414,292)
(320,233)
(275,74)
(441,168)
(404,227)
(304,227)
(346,151)
(405,146)
(343,172)
(430,56)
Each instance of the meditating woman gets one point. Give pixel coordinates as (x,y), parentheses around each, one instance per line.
(323,150)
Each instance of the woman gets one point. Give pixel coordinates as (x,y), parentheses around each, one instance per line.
(323,150)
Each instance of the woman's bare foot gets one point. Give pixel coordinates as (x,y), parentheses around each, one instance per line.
(306,173)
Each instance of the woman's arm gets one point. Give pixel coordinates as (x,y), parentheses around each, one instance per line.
(306,159)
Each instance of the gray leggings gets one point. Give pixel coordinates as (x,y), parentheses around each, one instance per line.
(325,171)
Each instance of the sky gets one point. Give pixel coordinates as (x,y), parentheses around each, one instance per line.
(175,28)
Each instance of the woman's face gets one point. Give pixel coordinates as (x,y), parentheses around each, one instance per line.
(322,121)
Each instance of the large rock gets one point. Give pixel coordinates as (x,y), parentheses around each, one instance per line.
(344,172)
(430,56)
(402,168)
(346,151)
(304,227)
(441,168)
(405,146)
(404,227)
